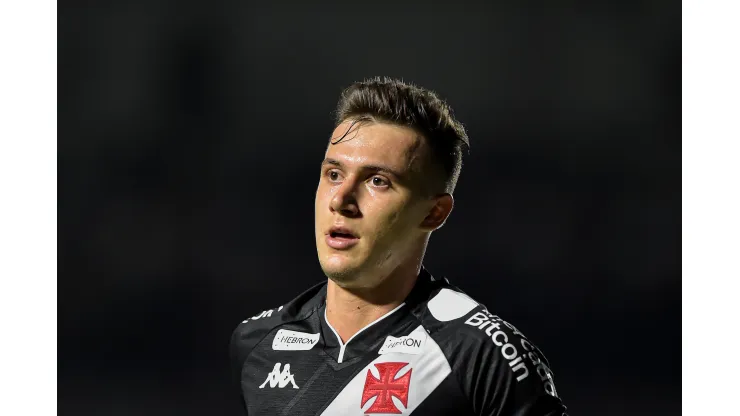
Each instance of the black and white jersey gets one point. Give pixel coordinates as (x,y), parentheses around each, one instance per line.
(438,353)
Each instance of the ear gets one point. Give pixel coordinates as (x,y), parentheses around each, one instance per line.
(438,214)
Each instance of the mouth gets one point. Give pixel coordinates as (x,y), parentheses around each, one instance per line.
(341,238)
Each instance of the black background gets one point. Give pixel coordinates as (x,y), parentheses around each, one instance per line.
(190,137)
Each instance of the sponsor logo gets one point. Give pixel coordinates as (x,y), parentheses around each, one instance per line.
(409,344)
(286,340)
(278,378)
(386,386)
(263,314)
(520,359)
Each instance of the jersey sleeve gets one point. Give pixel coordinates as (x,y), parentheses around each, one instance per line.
(243,340)
(238,351)
(500,371)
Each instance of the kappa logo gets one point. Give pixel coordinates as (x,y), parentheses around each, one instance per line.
(278,378)
(386,387)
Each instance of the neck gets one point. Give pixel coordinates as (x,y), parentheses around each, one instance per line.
(348,310)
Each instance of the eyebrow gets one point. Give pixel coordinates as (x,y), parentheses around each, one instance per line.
(373,168)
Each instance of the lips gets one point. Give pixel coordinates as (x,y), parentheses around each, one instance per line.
(341,238)
(338,231)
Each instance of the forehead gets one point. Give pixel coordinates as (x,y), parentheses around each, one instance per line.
(372,143)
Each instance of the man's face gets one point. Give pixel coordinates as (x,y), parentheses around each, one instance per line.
(369,202)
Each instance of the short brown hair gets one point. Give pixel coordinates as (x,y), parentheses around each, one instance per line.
(397,102)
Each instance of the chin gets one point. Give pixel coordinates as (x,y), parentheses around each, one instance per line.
(341,270)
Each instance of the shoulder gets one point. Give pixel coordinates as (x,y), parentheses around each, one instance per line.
(450,311)
(251,330)
(446,308)
(506,343)
(255,327)
(482,346)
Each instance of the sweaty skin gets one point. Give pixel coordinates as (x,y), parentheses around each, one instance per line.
(373,184)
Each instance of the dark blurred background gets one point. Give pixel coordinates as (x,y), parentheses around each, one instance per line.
(190,137)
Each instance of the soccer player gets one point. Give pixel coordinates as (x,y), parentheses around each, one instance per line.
(381,335)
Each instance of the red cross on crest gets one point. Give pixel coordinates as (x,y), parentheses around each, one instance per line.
(386,387)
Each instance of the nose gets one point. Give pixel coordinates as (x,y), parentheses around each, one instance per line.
(344,200)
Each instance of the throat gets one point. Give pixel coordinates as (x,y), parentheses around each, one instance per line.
(346,327)
(348,323)
(350,311)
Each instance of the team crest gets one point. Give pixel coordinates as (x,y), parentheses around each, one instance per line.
(384,388)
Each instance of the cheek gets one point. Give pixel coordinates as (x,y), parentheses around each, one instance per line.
(387,220)
(318,209)
(323,195)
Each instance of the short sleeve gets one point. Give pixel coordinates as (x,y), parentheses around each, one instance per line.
(238,351)
(500,371)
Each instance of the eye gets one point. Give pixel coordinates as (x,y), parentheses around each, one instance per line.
(380,182)
(333,175)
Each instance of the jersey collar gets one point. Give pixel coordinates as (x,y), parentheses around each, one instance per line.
(372,335)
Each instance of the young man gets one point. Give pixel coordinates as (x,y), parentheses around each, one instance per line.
(381,335)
